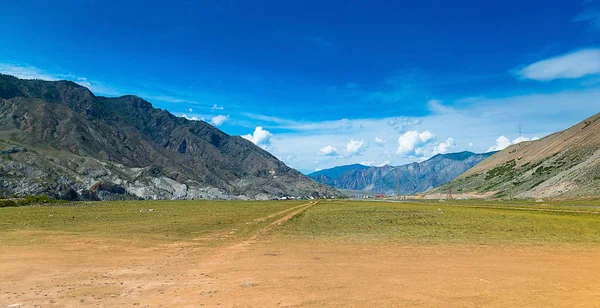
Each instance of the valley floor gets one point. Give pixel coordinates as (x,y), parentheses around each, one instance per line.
(315,254)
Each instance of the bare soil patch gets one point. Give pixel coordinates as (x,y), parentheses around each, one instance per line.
(298,273)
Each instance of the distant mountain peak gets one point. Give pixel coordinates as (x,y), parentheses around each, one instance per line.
(414,177)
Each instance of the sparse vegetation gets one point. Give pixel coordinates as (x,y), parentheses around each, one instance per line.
(505,169)
(170,220)
(452,221)
(28,200)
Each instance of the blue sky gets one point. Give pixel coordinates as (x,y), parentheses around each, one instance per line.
(325,83)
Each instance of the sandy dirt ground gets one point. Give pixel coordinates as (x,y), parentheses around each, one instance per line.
(269,270)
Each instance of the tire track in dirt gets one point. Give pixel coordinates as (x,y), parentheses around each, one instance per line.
(280,221)
(212,270)
(230,232)
(283,212)
(229,252)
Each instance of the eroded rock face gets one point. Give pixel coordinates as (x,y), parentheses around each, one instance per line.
(75,140)
(30,174)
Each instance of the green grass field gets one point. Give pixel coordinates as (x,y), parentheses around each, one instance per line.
(574,222)
(452,222)
(169,221)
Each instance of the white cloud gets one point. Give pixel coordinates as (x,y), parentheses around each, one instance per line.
(502,142)
(520,139)
(190,110)
(367,163)
(355,146)
(260,137)
(409,141)
(442,148)
(479,122)
(329,150)
(379,141)
(471,144)
(575,64)
(215,107)
(218,120)
(385,163)
(191,118)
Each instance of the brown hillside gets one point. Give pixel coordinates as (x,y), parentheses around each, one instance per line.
(564,164)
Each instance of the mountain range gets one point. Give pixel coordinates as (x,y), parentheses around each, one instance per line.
(565,164)
(57,138)
(411,179)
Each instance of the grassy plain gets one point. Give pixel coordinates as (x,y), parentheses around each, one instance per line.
(334,253)
(131,220)
(478,222)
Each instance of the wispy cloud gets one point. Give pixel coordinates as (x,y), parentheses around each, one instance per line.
(270,119)
(25,71)
(474,125)
(575,64)
(592,16)
(342,125)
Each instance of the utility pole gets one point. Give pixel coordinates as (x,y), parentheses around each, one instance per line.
(449,197)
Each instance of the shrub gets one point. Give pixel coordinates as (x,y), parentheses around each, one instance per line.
(35,199)
(16,201)
(7,203)
(506,168)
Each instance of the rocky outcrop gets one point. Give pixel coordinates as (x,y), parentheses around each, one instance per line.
(13,150)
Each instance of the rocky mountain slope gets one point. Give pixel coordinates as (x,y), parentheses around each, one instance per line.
(58,138)
(564,164)
(414,178)
(331,175)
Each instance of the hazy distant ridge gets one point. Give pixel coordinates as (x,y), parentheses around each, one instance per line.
(414,177)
